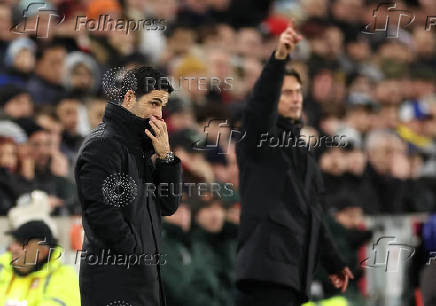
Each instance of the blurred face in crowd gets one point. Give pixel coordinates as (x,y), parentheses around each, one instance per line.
(165,9)
(362,84)
(389,92)
(53,126)
(387,118)
(356,162)
(219,65)
(226,35)
(322,86)
(291,98)
(82,78)
(96,112)
(249,42)
(19,106)
(359,118)
(148,105)
(68,114)
(334,39)
(51,66)
(182,217)
(24,61)
(8,156)
(424,42)
(181,41)
(124,44)
(315,8)
(5,22)
(195,85)
(394,50)
(333,162)
(330,124)
(359,50)
(384,152)
(211,218)
(350,217)
(40,143)
(347,10)
(25,256)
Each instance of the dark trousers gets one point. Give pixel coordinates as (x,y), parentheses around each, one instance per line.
(260,293)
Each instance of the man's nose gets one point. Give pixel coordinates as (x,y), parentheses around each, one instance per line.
(158,113)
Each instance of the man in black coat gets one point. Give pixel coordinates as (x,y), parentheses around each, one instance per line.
(119,166)
(282,233)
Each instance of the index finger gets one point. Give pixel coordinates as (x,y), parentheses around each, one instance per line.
(345,284)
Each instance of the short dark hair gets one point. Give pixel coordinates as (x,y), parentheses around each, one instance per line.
(43,47)
(294,73)
(146,79)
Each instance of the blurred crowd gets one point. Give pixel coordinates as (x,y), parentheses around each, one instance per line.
(377,92)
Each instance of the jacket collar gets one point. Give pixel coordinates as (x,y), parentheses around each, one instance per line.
(129,126)
(289,125)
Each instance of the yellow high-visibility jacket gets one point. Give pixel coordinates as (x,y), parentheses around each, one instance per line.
(55,284)
(333,301)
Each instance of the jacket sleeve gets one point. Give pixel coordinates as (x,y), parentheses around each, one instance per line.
(100,161)
(260,113)
(169,175)
(331,259)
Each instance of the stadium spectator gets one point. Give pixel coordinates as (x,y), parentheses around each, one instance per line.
(82,75)
(32,272)
(68,113)
(210,255)
(15,102)
(45,86)
(19,62)
(176,249)
(12,182)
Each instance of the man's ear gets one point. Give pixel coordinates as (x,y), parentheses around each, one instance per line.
(129,99)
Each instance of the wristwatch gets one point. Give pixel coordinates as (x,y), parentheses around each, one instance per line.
(168,158)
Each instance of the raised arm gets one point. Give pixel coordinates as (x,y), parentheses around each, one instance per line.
(260,113)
